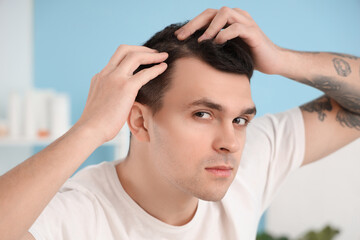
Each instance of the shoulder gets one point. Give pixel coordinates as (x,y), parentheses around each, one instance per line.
(93,178)
(274,147)
(271,122)
(272,130)
(88,189)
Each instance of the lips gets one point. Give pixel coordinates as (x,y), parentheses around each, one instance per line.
(221,167)
(220,171)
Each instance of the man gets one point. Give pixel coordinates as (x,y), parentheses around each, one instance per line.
(189,173)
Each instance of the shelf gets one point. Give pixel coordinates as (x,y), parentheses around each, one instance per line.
(8,142)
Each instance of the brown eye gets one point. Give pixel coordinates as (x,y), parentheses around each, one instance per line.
(241,121)
(203,115)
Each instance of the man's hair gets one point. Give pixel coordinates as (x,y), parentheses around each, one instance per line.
(233,56)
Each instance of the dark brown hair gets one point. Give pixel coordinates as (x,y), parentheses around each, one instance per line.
(233,56)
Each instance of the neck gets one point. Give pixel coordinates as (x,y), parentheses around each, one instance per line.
(152,192)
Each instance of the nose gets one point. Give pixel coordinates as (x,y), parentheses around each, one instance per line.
(229,140)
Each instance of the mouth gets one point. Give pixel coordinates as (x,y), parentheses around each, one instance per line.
(220,171)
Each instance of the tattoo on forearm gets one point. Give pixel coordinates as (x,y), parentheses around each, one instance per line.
(324,84)
(345,56)
(342,67)
(348,119)
(309,52)
(319,106)
(343,93)
(343,116)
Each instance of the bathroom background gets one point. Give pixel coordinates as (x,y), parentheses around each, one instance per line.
(57,46)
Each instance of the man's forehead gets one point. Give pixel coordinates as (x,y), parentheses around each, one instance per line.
(192,71)
(195,82)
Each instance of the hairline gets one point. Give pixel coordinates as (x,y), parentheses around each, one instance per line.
(171,75)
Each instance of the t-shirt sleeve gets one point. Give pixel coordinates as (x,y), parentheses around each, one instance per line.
(279,142)
(66,217)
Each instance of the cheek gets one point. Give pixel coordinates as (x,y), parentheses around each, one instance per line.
(189,137)
(182,142)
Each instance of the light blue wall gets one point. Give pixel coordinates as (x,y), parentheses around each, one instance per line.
(75,39)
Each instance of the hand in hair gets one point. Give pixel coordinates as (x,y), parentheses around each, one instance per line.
(113,90)
(228,23)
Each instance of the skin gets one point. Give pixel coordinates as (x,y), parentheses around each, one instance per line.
(333,73)
(25,192)
(167,175)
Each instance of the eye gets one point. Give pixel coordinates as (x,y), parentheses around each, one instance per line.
(202,114)
(241,121)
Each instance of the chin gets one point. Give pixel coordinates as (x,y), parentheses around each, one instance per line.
(211,197)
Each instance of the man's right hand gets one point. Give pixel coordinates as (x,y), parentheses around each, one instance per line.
(113,90)
(27,189)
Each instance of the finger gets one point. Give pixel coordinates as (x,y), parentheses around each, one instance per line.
(214,28)
(134,59)
(242,12)
(203,19)
(225,16)
(93,81)
(233,31)
(145,75)
(121,52)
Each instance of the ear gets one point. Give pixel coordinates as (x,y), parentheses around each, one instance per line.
(138,121)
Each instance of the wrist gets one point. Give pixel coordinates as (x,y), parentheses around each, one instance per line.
(284,61)
(289,61)
(272,61)
(88,133)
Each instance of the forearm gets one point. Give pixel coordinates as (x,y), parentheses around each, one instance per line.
(337,75)
(27,189)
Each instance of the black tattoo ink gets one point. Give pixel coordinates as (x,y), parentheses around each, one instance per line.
(343,116)
(342,67)
(319,105)
(310,52)
(343,93)
(349,101)
(323,83)
(345,56)
(348,119)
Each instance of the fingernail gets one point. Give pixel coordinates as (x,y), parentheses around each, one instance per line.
(181,34)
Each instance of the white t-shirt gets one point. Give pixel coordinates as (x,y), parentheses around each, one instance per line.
(94,205)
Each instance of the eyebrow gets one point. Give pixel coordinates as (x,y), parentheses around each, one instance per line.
(208,103)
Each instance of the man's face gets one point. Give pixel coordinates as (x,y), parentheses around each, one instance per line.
(197,138)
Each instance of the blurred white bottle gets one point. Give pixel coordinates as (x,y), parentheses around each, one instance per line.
(30,114)
(3,128)
(14,115)
(59,115)
(43,109)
